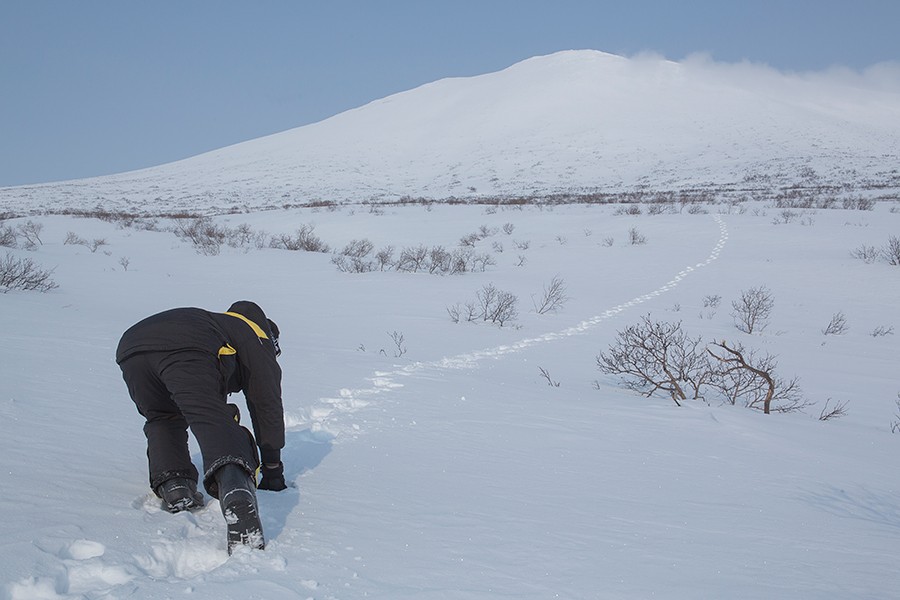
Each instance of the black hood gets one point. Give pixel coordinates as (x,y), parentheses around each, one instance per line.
(252,311)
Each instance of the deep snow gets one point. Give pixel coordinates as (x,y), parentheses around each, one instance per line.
(455,470)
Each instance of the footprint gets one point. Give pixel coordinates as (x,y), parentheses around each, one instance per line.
(83,550)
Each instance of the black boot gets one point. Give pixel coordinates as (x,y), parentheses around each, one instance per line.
(237,495)
(180,493)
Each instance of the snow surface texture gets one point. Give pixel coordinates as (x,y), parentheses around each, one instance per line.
(453,470)
(569,123)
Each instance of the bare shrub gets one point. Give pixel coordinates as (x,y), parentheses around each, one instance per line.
(883,330)
(492,305)
(895,424)
(553,298)
(206,236)
(24,274)
(653,356)
(631,209)
(412,259)
(496,306)
(522,245)
(608,242)
(752,311)
(858,203)
(711,304)
(656,356)
(891,251)
(399,343)
(455,312)
(384,257)
(469,240)
(463,312)
(785,216)
(752,378)
(697,209)
(635,237)
(93,245)
(438,260)
(834,412)
(837,325)
(521,260)
(124,261)
(73,239)
(508,228)
(712,301)
(868,254)
(304,239)
(546,375)
(485,232)
(483,261)
(8,237)
(31,232)
(353,258)
(243,236)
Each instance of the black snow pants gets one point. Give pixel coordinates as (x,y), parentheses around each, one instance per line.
(177,390)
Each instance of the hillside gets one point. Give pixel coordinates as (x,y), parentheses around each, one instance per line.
(577,122)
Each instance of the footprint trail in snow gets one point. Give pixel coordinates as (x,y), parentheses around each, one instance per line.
(325,419)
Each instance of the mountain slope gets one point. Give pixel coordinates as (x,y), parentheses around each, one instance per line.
(573,121)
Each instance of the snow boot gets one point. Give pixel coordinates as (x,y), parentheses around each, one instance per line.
(180,493)
(237,496)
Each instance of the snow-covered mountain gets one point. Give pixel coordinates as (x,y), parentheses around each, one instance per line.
(571,122)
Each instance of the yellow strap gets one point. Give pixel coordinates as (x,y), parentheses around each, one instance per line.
(227,350)
(256,328)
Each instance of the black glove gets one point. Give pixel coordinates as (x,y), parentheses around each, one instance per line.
(272,478)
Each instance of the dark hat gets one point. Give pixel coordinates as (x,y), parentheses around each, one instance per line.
(252,311)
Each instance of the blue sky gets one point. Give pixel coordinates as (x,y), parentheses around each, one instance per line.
(97,87)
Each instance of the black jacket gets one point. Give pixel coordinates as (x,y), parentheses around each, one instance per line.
(243,342)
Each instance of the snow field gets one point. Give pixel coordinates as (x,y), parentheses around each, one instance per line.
(455,471)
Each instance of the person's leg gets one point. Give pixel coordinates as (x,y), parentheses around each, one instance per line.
(197,388)
(229,453)
(168,456)
(237,497)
